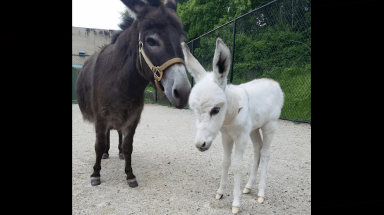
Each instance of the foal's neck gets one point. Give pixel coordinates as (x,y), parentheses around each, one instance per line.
(233,105)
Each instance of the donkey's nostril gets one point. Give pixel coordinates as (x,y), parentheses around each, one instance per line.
(176,94)
(203,144)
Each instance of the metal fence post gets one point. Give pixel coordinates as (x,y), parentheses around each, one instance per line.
(233,49)
(155,93)
(192,54)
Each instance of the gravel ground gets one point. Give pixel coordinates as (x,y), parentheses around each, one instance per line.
(175,178)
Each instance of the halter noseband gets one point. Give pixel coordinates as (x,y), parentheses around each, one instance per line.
(157,70)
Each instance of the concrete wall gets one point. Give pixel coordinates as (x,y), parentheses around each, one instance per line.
(89,39)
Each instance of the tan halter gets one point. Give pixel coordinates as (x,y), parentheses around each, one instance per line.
(157,70)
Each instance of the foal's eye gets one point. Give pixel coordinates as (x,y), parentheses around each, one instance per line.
(215,110)
(151,42)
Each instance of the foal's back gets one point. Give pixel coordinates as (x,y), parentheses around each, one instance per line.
(265,100)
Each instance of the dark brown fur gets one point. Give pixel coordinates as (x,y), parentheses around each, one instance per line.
(110,86)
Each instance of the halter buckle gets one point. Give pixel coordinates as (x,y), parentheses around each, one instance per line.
(158,74)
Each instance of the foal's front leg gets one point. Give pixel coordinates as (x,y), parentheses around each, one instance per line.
(238,166)
(227,142)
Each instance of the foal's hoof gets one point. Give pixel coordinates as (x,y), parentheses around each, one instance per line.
(219,196)
(95,181)
(260,199)
(121,156)
(105,156)
(246,190)
(235,209)
(132,182)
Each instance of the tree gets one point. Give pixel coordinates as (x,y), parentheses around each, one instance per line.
(200,16)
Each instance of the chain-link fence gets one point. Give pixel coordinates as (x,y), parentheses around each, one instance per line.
(79,59)
(272,41)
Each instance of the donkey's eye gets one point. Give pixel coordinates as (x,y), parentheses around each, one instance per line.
(215,110)
(151,42)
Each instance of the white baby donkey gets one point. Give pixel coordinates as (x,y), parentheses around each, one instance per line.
(238,111)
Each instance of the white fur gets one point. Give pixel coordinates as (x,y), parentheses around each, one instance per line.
(244,110)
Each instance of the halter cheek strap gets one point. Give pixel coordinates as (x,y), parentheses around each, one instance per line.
(158,71)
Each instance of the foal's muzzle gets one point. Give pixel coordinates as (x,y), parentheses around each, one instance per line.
(203,146)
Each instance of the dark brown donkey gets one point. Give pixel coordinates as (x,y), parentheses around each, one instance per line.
(110,87)
(106,152)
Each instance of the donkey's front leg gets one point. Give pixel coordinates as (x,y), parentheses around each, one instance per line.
(227,142)
(237,165)
(106,153)
(100,146)
(127,148)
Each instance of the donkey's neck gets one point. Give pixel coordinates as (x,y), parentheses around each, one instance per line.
(233,105)
(127,55)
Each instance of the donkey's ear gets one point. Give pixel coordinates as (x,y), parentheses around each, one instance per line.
(221,63)
(136,6)
(171,4)
(193,66)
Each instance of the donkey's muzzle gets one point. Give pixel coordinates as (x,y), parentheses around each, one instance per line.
(180,95)
(203,146)
(176,85)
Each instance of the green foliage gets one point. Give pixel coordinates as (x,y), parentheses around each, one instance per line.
(150,87)
(269,43)
(200,16)
(124,13)
(296,84)
(273,42)
(101,47)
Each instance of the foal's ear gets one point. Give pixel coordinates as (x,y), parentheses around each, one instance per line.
(193,66)
(221,63)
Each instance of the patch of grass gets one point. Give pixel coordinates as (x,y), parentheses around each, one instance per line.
(149,100)
(74,102)
(150,88)
(296,84)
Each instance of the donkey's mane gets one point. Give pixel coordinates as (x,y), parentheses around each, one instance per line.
(152,19)
(125,24)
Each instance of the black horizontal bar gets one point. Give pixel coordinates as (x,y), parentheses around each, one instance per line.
(296,120)
(80,55)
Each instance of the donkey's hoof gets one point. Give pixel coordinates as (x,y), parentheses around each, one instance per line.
(235,209)
(219,196)
(132,182)
(260,199)
(121,156)
(105,156)
(246,190)
(95,181)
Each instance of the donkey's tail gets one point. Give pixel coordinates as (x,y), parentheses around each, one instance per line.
(83,93)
